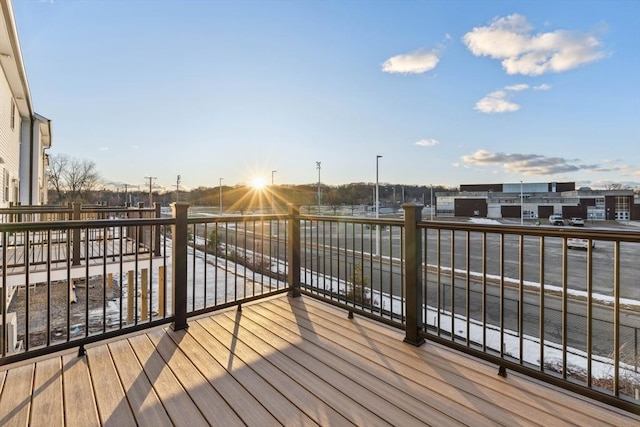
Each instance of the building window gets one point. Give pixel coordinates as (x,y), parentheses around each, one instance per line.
(13,114)
(623,208)
(6,185)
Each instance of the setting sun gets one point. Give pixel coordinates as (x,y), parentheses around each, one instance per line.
(258,183)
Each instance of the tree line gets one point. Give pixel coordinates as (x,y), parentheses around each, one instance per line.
(78,180)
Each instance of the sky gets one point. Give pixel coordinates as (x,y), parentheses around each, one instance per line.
(447,92)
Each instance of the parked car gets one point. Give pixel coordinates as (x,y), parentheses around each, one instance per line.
(556,219)
(577,222)
(576,243)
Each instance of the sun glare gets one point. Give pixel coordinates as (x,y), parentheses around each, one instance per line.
(258,183)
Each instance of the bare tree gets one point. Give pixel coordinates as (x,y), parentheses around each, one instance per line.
(72,178)
(614,186)
(332,198)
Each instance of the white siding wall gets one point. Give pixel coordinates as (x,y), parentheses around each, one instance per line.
(9,144)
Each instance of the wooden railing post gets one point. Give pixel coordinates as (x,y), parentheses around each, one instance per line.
(413,273)
(156,240)
(179,266)
(76,234)
(293,251)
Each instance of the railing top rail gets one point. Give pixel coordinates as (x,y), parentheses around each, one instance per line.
(598,234)
(35,209)
(236,218)
(65,209)
(78,224)
(116,209)
(352,220)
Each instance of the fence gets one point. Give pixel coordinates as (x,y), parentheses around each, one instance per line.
(516,296)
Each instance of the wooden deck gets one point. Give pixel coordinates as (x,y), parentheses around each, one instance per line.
(286,362)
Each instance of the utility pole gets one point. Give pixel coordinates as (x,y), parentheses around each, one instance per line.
(273,208)
(521,206)
(178,187)
(431,202)
(318,164)
(150,178)
(394,198)
(378,236)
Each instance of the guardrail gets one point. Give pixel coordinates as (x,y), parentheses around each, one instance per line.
(523,297)
(516,296)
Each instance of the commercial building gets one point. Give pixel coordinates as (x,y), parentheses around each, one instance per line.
(538,200)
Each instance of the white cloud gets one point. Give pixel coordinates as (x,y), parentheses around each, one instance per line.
(427,143)
(104,148)
(500,100)
(531,164)
(496,102)
(417,62)
(630,171)
(525,164)
(511,39)
(517,88)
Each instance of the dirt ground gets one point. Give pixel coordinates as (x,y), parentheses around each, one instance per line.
(58,297)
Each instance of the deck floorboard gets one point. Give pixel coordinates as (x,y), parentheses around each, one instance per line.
(79,401)
(47,394)
(282,361)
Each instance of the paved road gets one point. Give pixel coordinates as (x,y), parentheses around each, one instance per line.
(363,240)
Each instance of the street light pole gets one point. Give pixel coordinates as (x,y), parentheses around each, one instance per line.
(377,188)
(431,202)
(177,187)
(272,190)
(377,208)
(220,193)
(521,202)
(319,193)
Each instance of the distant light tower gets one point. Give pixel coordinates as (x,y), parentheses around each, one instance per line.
(178,188)
(377,208)
(431,202)
(220,191)
(273,208)
(521,207)
(318,164)
(377,188)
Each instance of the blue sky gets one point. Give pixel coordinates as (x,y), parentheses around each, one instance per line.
(448,92)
